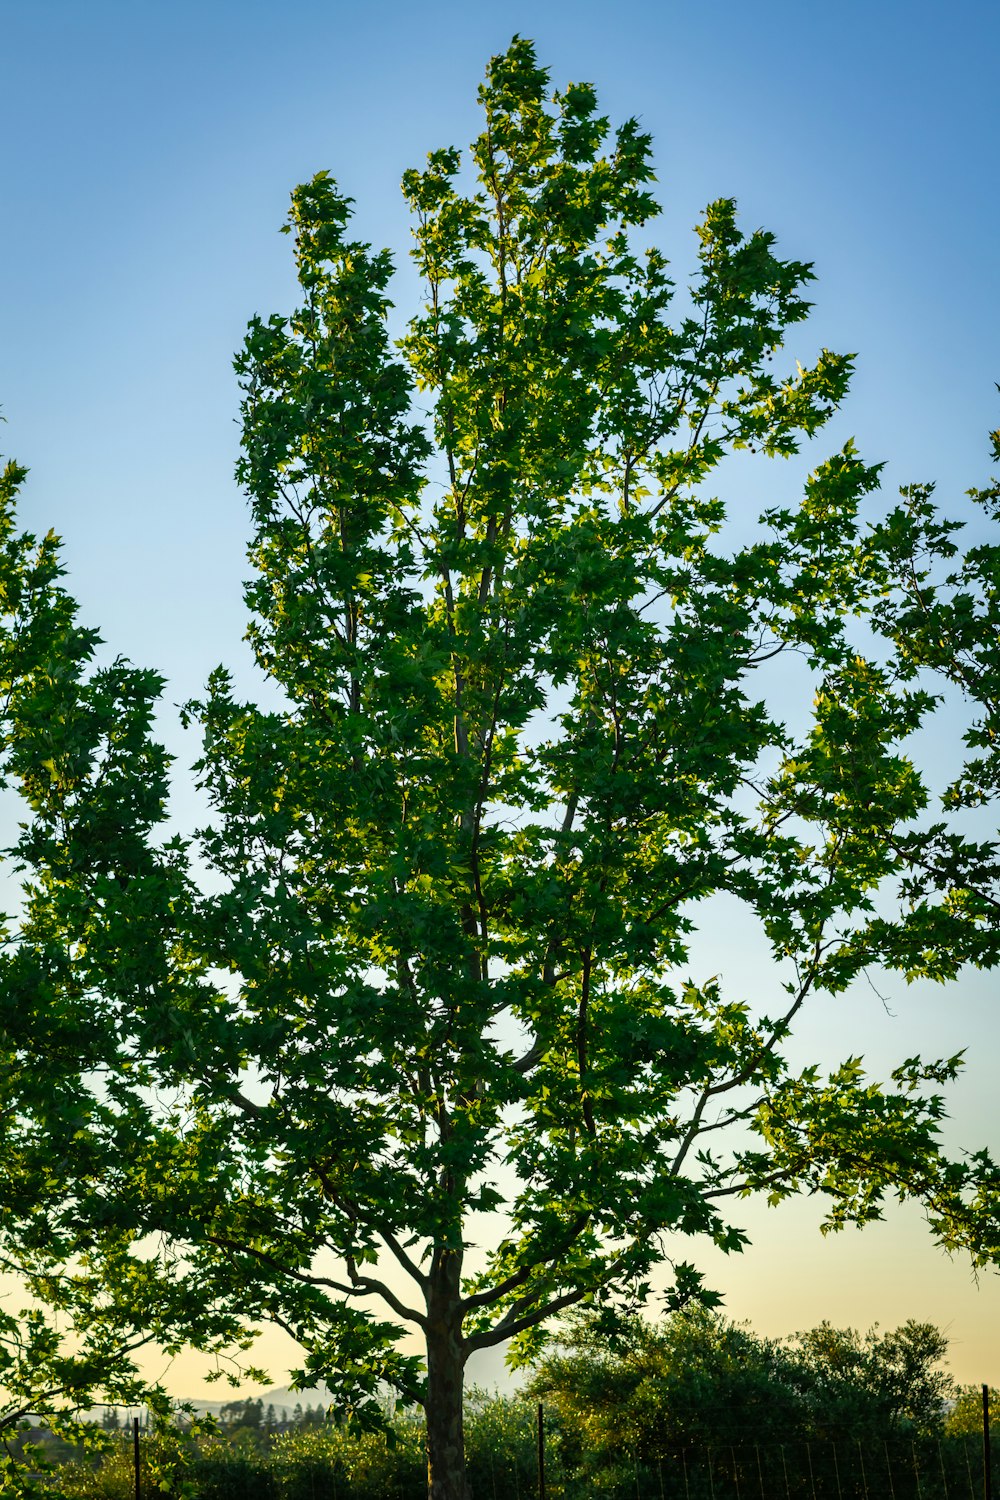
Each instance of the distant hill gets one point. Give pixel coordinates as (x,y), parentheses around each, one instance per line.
(281,1397)
(485,1369)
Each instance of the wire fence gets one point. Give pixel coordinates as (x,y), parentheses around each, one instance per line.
(893,1469)
(503,1464)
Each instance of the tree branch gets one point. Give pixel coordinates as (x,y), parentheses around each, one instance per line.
(506,1330)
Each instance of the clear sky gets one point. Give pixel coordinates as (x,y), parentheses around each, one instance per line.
(148,153)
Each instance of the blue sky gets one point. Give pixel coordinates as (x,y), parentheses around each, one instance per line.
(148,154)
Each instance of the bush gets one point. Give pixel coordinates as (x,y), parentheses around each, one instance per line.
(333,1463)
(501,1446)
(168,1461)
(325,1463)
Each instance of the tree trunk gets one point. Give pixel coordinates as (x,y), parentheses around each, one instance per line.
(445,1376)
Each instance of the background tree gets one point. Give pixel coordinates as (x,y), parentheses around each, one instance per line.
(411,1022)
(873,1384)
(698,1380)
(966,1416)
(652,1389)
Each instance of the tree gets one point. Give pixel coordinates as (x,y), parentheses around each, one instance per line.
(651,1390)
(81,1296)
(697,1379)
(966,1416)
(874,1383)
(410,1023)
(944,622)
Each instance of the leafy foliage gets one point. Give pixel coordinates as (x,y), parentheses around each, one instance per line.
(966,1415)
(699,1379)
(621,1417)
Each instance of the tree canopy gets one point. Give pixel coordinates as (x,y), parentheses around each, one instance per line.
(408,1034)
(698,1379)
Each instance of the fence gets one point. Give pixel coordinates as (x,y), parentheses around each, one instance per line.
(894,1468)
(951,1469)
(503,1464)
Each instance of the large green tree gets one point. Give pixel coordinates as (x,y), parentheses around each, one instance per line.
(408,1034)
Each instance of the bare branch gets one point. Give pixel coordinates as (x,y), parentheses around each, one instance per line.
(506,1330)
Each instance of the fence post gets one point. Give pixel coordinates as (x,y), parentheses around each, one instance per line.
(541,1451)
(493,1475)
(888,1469)
(135,1454)
(987,1460)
